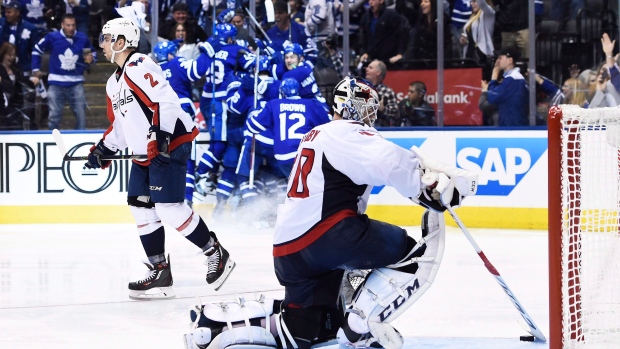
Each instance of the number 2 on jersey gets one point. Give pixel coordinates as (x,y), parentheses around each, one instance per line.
(149,77)
(299,188)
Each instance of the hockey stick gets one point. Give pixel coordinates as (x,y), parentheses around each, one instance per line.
(529,322)
(60,143)
(253,146)
(257,25)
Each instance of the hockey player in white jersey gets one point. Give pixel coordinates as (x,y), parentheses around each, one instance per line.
(145,115)
(321,231)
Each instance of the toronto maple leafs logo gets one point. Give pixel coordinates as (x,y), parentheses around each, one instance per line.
(35,9)
(68,60)
(26,34)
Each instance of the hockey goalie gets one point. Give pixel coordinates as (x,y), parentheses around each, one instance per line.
(322,232)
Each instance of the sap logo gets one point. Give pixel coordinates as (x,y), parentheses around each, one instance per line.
(500,162)
(399,301)
(127,98)
(154,188)
(406,143)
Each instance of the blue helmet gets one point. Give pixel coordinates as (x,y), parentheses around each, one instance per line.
(163,49)
(225,31)
(294,48)
(264,64)
(289,88)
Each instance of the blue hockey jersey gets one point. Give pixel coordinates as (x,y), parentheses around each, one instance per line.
(289,119)
(175,71)
(239,102)
(228,59)
(66,57)
(304,75)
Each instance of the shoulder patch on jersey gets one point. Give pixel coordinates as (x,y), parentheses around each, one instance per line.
(136,62)
(366,133)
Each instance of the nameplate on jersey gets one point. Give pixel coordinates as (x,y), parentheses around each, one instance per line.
(310,136)
(221,54)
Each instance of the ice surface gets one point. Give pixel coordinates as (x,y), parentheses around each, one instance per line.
(65,286)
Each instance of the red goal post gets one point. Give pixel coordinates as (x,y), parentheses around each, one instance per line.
(584,227)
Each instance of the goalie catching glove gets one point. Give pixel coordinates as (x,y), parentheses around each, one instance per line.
(157,148)
(443,185)
(96,152)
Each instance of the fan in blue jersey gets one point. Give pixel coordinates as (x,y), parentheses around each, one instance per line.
(289,119)
(219,69)
(175,70)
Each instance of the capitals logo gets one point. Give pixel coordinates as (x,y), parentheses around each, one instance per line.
(136,62)
(119,101)
(501,162)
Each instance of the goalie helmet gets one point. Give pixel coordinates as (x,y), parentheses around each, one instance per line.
(121,26)
(164,48)
(356,99)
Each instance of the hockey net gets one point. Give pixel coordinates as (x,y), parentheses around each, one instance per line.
(584,227)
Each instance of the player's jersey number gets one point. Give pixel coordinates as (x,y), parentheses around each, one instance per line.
(289,133)
(218,69)
(299,187)
(150,78)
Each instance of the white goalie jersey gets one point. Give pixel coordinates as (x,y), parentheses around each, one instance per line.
(336,166)
(138,96)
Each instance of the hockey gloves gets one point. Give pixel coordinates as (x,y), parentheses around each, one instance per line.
(96,152)
(157,147)
(438,191)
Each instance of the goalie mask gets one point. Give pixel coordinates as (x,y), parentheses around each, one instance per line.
(356,99)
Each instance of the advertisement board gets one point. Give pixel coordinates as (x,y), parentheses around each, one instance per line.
(512,168)
(461,92)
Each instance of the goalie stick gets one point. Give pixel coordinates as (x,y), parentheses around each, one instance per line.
(529,324)
(60,143)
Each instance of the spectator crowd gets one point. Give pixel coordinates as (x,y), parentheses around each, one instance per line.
(385,35)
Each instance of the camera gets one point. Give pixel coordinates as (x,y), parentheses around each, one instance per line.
(331,41)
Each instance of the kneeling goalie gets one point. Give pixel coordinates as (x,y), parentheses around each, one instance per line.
(322,231)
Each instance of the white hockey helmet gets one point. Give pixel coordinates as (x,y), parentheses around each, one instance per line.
(356,99)
(121,26)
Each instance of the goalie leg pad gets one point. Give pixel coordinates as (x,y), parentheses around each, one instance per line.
(235,322)
(388,292)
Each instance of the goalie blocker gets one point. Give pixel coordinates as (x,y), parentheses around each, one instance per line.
(384,296)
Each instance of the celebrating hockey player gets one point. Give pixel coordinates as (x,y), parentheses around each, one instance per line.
(228,58)
(321,230)
(146,116)
(288,119)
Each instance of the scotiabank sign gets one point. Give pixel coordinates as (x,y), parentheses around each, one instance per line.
(461,92)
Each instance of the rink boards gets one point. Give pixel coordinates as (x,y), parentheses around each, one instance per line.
(37,187)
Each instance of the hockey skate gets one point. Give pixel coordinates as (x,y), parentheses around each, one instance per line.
(219,265)
(206,184)
(157,283)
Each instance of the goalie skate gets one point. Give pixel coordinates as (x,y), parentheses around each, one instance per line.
(157,283)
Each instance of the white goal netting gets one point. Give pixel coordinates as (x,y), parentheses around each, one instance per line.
(590,227)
